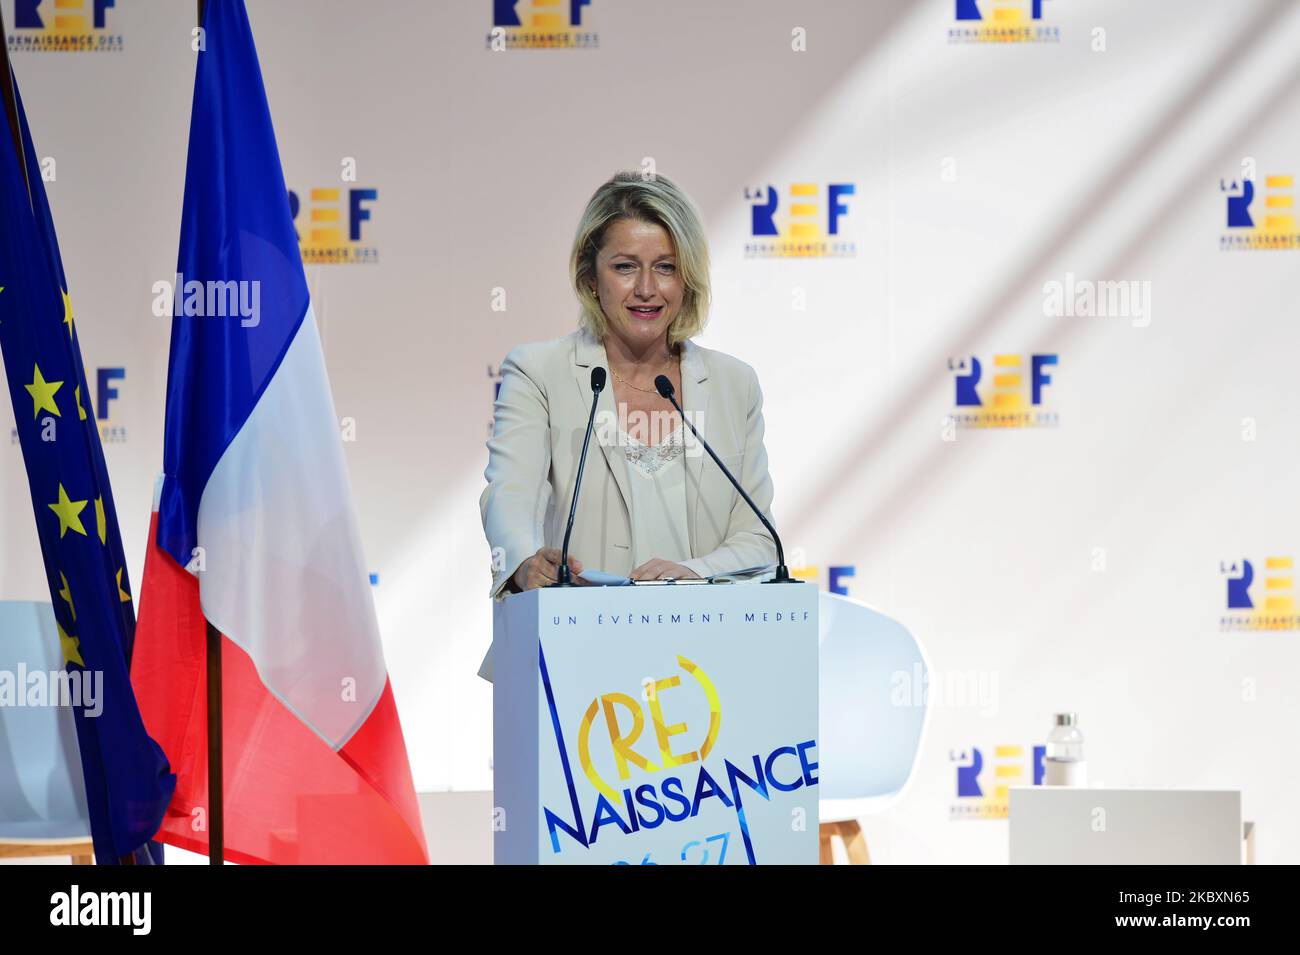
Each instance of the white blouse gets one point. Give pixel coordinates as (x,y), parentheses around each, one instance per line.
(657,475)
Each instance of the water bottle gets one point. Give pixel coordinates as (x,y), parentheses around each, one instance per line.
(1064,764)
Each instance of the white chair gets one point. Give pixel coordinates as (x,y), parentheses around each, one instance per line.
(872,717)
(42,795)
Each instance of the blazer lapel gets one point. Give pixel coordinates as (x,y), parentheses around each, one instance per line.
(587,354)
(695,402)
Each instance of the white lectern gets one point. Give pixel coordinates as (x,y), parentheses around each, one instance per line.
(656,725)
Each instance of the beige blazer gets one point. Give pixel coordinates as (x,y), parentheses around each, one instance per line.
(540,418)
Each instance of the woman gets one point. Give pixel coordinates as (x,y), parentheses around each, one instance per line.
(653,506)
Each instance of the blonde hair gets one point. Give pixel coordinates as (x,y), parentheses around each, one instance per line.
(656,199)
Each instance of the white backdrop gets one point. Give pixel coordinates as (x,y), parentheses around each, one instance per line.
(1075,567)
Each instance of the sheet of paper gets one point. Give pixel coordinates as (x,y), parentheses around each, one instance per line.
(599,578)
(736,575)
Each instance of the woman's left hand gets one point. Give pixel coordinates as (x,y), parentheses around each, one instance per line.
(656,569)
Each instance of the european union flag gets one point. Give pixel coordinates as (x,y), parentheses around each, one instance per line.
(128,780)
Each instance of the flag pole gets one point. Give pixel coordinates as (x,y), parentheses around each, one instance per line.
(216,794)
(11,106)
(216,789)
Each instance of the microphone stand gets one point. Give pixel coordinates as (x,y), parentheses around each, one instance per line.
(564,577)
(782,576)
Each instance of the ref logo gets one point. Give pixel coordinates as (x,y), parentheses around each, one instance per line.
(1259,218)
(334,227)
(63,26)
(540,24)
(1013,396)
(835,577)
(982,790)
(1001,21)
(105,392)
(1259,601)
(806,222)
(495,377)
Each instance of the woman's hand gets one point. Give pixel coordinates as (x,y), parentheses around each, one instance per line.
(656,569)
(543,569)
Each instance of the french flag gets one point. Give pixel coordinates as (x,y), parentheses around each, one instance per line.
(253,526)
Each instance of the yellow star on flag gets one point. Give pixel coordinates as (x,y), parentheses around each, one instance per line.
(68,511)
(66,594)
(81,412)
(101,524)
(42,393)
(71,647)
(67,312)
(122,595)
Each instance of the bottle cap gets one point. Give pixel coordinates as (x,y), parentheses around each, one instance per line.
(1066,719)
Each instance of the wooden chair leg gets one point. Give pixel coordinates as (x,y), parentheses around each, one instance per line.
(824,833)
(855,843)
(850,835)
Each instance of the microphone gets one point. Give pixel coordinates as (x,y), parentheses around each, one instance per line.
(665,389)
(564,578)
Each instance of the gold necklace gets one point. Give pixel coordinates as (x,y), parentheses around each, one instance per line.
(648,391)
